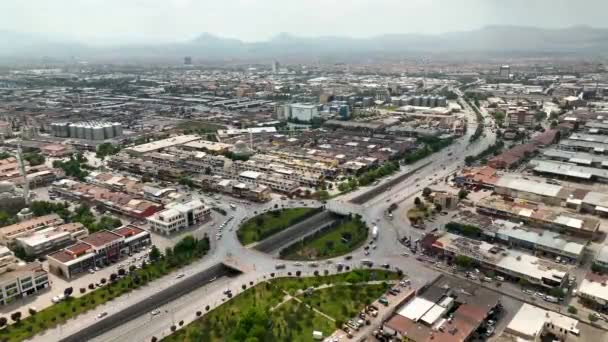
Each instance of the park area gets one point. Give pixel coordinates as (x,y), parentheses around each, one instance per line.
(289,309)
(342,237)
(264,225)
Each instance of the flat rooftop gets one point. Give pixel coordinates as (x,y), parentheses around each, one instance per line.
(164,143)
(101,238)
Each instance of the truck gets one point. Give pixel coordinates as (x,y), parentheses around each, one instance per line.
(375,233)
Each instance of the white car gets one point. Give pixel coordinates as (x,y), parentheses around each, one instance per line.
(102,315)
(154,312)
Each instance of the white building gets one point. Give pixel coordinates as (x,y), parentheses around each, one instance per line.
(531,322)
(301,112)
(22,281)
(179,216)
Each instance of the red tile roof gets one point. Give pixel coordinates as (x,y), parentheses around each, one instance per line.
(101,238)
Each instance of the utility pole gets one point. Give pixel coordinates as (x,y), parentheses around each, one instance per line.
(26,185)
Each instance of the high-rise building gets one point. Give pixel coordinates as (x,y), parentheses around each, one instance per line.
(504,71)
(187,60)
(275,67)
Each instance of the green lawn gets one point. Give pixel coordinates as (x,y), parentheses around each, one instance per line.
(264,225)
(291,285)
(291,321)
(187,250)
(329,243)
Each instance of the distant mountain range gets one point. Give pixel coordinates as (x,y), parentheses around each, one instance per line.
(579,40)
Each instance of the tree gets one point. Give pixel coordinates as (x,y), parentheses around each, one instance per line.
(523,282)
(553,124)
(91,286)
(557,292)
(113,277)
(16,316)
(103,280)
(426,192)
(32,311)
(572,310)
(593,317)
(540,116)
(173,328)
(463,261)
(438,207)
(3,321)
(207,308)
(417,202)
(83,290)
(154,254)
(106,149)
(34,159)
(198,314)
(68,291)
(462,194)
(121,272)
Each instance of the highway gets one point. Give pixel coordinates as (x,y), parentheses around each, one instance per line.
(257,266)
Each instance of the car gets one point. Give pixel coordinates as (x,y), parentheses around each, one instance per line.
(383,301)
(102,315)
(297,263)
(154,312)
(227,292)
(529,292)
(348,257)
(181,275)
(539,295)
(387,266)
(55,299)
(91,270)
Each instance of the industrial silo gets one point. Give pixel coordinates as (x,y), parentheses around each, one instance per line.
(117,129)
(108,130)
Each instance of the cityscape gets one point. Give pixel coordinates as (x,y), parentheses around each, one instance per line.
(436,184)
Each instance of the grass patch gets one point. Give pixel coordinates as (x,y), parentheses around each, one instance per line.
(184,252)
(343,237)
(292,321)
(196,126)
(264,225)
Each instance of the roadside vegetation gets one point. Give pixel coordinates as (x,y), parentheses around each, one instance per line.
(264,225)
(183,253)
(342,237)
(264,313)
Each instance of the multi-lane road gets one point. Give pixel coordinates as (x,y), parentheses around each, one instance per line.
(257,266)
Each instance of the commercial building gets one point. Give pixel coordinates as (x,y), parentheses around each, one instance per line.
(258,193)
(8,234)
(46,240)
(119,202)
(601,258)
(447,310)
(512,264)
(519,117)
(517,187)
(570,171)
(97,250)
(22,281)
(301,112)
(532,323)
(92,130)
(162,144)
(179,216)
(7,260)
(593,290)
(512,157)
(578,158)
(537,215)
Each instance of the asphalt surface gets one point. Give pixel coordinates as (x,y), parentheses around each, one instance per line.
(257,266)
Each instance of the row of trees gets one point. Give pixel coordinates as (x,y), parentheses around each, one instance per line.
(73,167)
(492,150)
(428,146)
(81,214)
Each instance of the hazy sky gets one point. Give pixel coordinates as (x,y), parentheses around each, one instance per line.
(120,21)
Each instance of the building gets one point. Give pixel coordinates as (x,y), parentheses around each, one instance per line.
(601,258)
(57,150)
(512,157)
(445,200)
(161,144)
(47,240)
(593,291)
(301,112)
(447,310)
(537,215)
(118,202)
(8,234)
(276,66)
(517,187)
(179,216)
(97,250)
(570,171)
(90,130)
(7,260)
(187,60)
(532,323)
(520,117)
(504,71)
(23,281)
(512,264)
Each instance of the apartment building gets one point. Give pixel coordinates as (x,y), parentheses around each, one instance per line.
(179,216)
(22,281)
(7,260)
(8,234)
